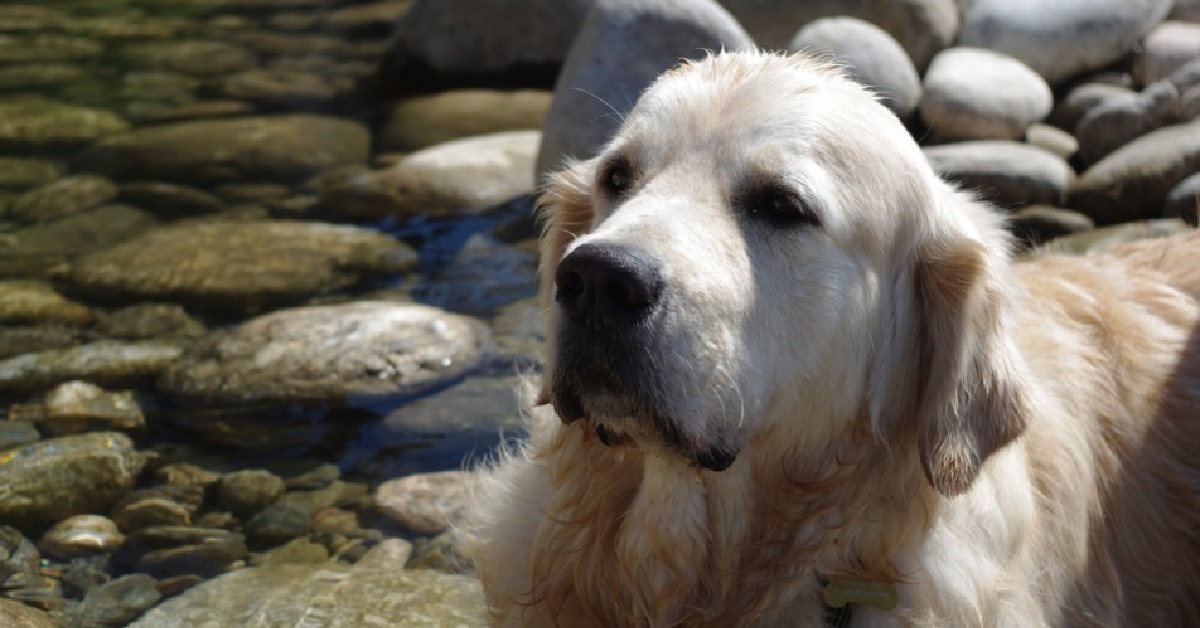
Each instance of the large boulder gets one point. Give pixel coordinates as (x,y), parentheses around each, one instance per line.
(623,46)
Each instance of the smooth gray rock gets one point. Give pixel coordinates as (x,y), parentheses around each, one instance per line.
(1132,182)
(1166,48)
(439,43)
(971,93)
(1037,224)
(1060,39)
(922,27)
(366,349)
(1183,201)
(419,122)
(871,56)
(1117,120)
(1071,108)
(623,46)
(1009,174)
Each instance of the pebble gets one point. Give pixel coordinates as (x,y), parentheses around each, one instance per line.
(418,122)
(81,535)
(359,350)
(105,363)
(1132,182)
(50,480)
(248,491)
(144,512)
(1037,224)
(870,55)
(205,559)
(427,503)
(1166,48)
(1117,120)
(277,524)
(462,176)
(118,602)
(971,93)
(21,174)
(31,301)
(75,407)
(33,128)
(170,200)
(1009,174)
(18,615)
(65,197)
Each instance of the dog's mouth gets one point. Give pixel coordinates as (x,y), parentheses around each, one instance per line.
(620,417)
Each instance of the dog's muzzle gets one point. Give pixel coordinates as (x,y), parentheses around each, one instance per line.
(607,286)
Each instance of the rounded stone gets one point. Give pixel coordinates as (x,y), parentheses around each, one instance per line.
(1183,201)
(1117,120)
(65,197)
(347,352)
(871,56)
(342,596)
(31,301)
(461,176)
(145,512)
(1009,174)
(1052,139)
(427,503)
(17,615)
(107,363)
(194,57)
(81,535)
(170,200)
(922,27)
(972,93)
(248,491)
(623,46)
(1037,224)
(1132,182)
(1060,39)
(40,127)
(1083,98)
(284,148)
(1166,48)
(419,122)
(241,266)
(22,174)
(50,480)
(277,524)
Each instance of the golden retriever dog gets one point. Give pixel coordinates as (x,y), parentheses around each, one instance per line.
(791,369)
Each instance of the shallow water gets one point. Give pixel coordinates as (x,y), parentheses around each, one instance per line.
(78,73)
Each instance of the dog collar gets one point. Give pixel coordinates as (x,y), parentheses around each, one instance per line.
(839,593)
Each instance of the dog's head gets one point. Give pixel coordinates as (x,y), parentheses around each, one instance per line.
(764,246)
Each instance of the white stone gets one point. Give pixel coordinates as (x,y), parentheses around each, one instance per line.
(972,93)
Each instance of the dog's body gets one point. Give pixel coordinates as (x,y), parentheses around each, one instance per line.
(782,350)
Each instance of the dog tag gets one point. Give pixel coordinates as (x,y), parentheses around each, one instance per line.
(842,591)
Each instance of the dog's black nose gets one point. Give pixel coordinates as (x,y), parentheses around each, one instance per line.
(607,285)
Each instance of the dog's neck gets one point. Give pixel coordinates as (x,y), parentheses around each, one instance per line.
(662,537)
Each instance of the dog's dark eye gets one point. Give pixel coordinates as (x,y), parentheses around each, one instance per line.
(617,178)
(778,207)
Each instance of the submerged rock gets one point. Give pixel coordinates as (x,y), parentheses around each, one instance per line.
(57,478)
(324,596)
(242,266)
(367,349)
(103,363)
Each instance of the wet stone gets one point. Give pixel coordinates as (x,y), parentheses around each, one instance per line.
(41,127)
(277,524)
(248,491)
(427,503)
(295,552)
(146,321)
(35,590)
(65,197)
(18,615)
(76,407)
(17,553)
(279,88)
(118,602)
(165,537)
(205,559)
(338,493)
(104,363)
(170,200)
(283,148)
(195,58)
(445,553)
(27,301)
(17,433)
(81,535)
(351,352)
(240,266)
(183,474)
(150,511)
(318,478)
(34,251)
(47,47)
(51,480)
(343,596)
(22,174)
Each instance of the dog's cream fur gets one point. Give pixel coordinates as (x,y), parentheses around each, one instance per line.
(1010,445)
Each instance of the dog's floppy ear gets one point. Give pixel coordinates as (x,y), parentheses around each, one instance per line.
(565,210)
(966,398)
